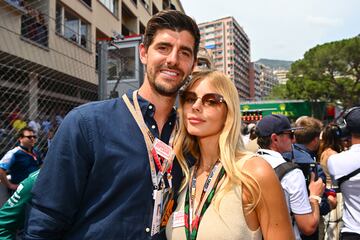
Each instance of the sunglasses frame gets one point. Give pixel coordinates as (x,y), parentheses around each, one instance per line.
(216,98)
(30,137)
(291,133)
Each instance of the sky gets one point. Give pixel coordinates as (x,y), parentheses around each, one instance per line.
(283,29)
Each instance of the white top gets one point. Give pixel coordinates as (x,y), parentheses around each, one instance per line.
(293,184)
(342,164)
(226,223)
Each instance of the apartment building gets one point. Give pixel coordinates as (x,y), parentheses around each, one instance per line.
(49,52)
(267,80)
(230,48)
(254,81)
(281,75)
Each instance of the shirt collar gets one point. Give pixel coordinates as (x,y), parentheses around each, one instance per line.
(147,108)
(269,152)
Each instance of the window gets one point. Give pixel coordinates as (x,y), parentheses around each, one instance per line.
(87,2)
(34,25)
(71,26)
(111,5)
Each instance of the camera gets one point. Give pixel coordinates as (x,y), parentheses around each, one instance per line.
(307,169)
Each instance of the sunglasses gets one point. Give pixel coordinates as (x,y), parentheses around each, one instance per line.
(290,133)
(31,137)
(209,99)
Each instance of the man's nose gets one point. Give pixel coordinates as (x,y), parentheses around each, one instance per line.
(173,58)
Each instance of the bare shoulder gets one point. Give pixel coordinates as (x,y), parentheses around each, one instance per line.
(260,169)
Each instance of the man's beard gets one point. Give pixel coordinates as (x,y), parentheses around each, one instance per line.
(164,89)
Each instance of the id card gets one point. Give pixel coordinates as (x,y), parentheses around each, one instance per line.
(155,226)
(164,150)
(178,219)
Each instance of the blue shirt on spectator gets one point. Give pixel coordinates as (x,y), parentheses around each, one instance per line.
(96,181)
(19,162)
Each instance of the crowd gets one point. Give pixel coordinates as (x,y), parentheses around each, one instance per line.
(137,168)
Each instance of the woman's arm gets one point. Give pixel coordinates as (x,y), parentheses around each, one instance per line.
(271,213)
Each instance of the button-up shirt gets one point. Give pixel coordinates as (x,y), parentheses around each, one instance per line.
(96,181)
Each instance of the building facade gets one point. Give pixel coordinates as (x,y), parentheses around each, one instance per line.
(267,80)
(254,81)
(49,54)
(230,48)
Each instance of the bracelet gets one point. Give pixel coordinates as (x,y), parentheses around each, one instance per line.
(317,198)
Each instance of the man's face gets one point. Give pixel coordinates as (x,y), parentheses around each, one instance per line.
(284,141)
(28,139)
(169,60)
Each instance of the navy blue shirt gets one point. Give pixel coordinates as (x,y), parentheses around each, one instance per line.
(20,162)
(96,182)
(301,154)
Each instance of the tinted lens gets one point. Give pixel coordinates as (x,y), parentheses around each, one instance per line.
(212,99)
(30,137)
(188,97)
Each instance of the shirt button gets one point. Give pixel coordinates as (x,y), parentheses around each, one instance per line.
(150,107)
(147,229)
(153,126)
(170,123)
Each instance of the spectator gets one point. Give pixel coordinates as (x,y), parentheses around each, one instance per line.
(345,168)
(12,213)
(304,152)
(21,160)
(330,144)
(275,136)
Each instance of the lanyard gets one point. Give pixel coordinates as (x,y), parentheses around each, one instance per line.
(149,140)
(160,194)
(207,194)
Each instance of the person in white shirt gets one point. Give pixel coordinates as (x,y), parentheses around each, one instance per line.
(345,168)
(276,136)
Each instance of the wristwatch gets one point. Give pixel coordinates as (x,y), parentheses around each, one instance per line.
(317,198)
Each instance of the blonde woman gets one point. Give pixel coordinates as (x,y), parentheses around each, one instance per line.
(228,193)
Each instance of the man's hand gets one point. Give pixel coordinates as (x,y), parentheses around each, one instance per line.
(332,202)
(316,187)
(13,186)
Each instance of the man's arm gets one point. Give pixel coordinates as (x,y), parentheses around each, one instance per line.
(307,223)
(58,191)
(5,181)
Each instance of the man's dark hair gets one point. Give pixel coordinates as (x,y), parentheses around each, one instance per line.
(264,142)
(21,132)
(173,20)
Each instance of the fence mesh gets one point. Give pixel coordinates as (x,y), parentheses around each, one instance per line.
(39,83)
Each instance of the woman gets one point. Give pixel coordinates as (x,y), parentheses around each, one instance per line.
(331,143)
(228,193)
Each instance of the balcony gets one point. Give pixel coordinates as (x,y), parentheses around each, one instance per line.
(34,26)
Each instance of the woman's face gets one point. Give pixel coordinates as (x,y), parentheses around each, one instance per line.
(204,110)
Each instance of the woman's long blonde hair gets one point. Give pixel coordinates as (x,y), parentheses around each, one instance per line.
(232,155)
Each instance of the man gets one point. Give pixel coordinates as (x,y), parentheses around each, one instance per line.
(345,168)
(12,213)
(304,151)
(20,161)
(99,179)
(275,136)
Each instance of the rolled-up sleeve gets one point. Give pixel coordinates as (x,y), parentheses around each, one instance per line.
(59,188)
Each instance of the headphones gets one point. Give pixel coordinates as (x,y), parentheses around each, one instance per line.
(342,125)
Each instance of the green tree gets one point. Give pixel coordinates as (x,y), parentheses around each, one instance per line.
(328,72)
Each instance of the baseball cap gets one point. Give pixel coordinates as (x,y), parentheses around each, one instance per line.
(275,123)
(353,120)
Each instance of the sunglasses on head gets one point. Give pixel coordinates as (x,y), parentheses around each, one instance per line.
(209,99)
(290,133)
(31,137)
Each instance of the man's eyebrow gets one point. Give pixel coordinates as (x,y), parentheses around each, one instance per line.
(170,45)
